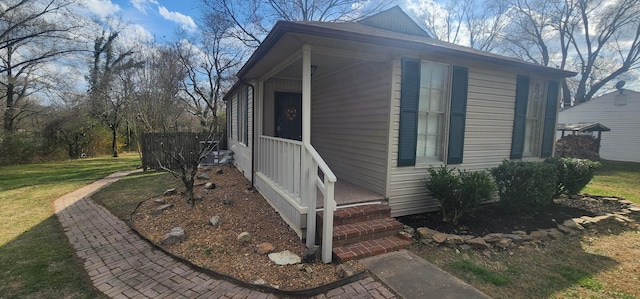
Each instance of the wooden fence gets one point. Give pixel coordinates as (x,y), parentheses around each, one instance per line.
(166,148)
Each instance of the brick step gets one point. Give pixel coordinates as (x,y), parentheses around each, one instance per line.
(370,248)
(366,230)
(357,214)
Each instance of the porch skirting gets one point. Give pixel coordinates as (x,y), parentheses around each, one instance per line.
(291,211)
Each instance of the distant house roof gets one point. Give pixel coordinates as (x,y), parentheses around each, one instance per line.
(583,127)
(404,33)
(629,92)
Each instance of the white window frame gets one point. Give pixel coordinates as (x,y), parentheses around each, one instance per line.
(425,110)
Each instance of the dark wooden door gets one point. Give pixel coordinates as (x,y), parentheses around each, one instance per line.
(288,115)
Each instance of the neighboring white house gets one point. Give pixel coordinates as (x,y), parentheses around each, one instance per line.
(358,112)
(619,111)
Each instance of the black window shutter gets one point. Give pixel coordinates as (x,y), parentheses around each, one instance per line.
(409,97)
(520,119)
(458,112)
(551,108)
(246,116)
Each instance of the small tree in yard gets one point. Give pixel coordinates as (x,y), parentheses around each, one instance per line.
(459,194)
(181,155)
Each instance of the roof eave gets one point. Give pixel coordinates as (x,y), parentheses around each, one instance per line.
(282,27)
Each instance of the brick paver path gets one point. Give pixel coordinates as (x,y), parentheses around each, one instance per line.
(122,265)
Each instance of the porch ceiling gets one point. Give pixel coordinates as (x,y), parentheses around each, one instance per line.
(328,54)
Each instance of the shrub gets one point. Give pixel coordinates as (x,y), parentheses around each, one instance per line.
(525,186)
(459,194)
(573,174)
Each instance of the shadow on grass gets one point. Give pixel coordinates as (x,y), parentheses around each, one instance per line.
(40,263)
(531,270)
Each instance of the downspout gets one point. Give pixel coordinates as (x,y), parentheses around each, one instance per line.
(253,128)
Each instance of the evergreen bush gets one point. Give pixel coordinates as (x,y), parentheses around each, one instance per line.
(459,194)
(525,186)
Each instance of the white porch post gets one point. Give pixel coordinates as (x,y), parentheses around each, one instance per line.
(308,179)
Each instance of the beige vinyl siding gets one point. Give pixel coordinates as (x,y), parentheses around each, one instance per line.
(349,123)
(622,143)
(242,152)
(272,86)
(488,130)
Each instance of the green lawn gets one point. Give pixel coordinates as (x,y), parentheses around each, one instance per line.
(621,179)
(35,258)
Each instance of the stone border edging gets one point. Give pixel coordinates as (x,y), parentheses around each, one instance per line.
(502,240)
(296,293)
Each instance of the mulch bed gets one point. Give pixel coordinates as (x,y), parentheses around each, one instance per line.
(493,218)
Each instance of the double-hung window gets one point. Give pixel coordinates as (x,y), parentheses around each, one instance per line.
(432,104)
(534,119)
(242,116)
(534,123)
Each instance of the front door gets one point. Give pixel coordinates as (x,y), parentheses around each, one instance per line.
(288,115)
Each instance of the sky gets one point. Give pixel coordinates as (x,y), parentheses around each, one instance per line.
(157,19)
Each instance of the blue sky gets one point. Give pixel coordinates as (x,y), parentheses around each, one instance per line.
(160,18)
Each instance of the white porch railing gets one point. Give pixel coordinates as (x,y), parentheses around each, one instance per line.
(279,159)
(300,171)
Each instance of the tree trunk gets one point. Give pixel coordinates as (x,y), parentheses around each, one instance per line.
(10,110)
(114,143)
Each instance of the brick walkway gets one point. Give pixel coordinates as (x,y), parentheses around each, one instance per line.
(122,265)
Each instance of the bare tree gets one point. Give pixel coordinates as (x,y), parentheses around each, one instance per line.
(108,100)
(462,22)
(158,104)
(209,60)
(598,39)
(32,34)
(252,20)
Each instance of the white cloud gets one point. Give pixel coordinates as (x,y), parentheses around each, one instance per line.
(143,5)
(101,8)
(185,21)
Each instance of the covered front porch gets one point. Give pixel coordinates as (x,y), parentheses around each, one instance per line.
(321,132)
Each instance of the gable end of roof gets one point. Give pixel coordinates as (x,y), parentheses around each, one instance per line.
(395,19)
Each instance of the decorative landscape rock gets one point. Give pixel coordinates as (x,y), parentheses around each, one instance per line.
(162,208)
(214,221)
(284,258)
(219,171)
(346,270)
(244,238)
(409,230)
(209,186)
(492,238)
(425,233)
(439,238)
(405,235)
(176,235)
(170,191)
(628,211)
(478,243)
(259,281)
(203,176)
(572,224)
(159,201)
(264,248)
(503,243)
(539,235)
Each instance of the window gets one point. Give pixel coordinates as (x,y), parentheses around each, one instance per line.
(431,111)
(428,90)
(534,119)
(242,116)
